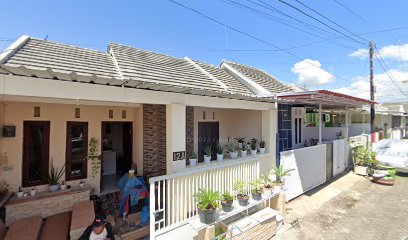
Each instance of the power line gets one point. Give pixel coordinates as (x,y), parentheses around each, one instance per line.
(318,20)
(348,9)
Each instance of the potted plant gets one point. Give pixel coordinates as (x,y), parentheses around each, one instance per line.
(192,157)
(267,185)
(207,154)
(226,202)
(207,203)
(220,153)
(362,159)
(233,154)
(262,145)
(241,141)
(280,176)
(63,186)
(256,189)
(242,196)
(244,150)
(82,183)
(254,143)
(33,191)
(20,192)
(54,176)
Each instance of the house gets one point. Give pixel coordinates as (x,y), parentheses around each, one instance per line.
(147,111)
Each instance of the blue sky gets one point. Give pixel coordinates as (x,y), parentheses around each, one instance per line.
(167,28)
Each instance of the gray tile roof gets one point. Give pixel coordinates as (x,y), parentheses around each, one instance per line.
(232,83)
(41,54)
(158,68)
(262,78)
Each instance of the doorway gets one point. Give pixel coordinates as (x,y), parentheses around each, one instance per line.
(116,154)
(208,135)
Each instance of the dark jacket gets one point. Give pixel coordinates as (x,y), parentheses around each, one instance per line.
(89,229)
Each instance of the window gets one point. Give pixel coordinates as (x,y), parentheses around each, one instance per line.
(76,150)
(35,152)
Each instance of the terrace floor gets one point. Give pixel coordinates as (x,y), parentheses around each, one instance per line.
(350,207)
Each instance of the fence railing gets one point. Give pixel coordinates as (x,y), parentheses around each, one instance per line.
(172,196)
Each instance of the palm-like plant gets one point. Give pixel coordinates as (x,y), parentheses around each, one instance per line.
(219,149)
(254,143)
(280,173)
(256,185)
(55,175)
(208,150)
(239,187)
(208,199)
(244,146)
(240,140)
(266,181)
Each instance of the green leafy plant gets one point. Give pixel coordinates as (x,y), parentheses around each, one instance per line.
(362,156)
(230,147)
(256,185)
(240,140)
(94,157)
(240,187)
(262,144)
(207,199)
(254,143)
(244,146)
(55,174)
(227,197)
(219,149)
(266,181)
(192,154)
(208,150)
(280,173)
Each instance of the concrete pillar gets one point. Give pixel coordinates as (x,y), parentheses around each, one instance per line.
(269,132)
(175,137)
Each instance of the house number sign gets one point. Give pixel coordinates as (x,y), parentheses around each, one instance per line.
(177,156)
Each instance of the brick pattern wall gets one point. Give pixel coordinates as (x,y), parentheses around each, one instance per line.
(189,128)
(154,140)
(45,205)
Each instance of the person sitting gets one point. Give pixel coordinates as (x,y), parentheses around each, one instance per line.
(100,229)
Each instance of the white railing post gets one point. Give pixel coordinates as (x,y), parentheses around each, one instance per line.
(152,210)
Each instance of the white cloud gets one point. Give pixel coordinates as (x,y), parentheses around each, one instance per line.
(361,53)
(310,73)
(386,90)
(394,52)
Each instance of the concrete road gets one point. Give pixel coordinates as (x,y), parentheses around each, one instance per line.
(350,207)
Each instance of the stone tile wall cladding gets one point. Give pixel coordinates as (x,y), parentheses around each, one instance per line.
(45,206)
(154,140)
(189,129)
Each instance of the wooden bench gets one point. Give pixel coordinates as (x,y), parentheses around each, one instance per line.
(56,227)
(25,229)
(83,214)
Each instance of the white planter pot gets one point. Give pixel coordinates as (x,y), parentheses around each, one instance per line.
(239,145)
(207,159)
(243,153)
(233,155)
(360,170)
(53,188)
(262,150)
(267,191)
(81,184)
(193,162)
(253,153)
(220,157)
(20,194)
(63,187)
(33,192)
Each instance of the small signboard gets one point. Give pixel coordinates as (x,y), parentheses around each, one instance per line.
(177,156)
(9,131)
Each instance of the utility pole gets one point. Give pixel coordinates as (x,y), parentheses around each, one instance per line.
(372,90)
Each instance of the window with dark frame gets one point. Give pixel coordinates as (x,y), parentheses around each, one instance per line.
(76,150)
(36,145)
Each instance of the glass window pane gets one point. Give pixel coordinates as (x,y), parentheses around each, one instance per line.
(76,150)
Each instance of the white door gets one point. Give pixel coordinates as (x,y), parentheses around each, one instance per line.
(298,114)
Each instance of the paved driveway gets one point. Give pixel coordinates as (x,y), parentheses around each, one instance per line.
(350,207)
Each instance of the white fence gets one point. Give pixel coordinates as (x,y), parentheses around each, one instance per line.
(340,156)
(309,166)
(172,196)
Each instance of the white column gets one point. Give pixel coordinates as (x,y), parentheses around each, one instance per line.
(269,132)
(320,123)
(175,136)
